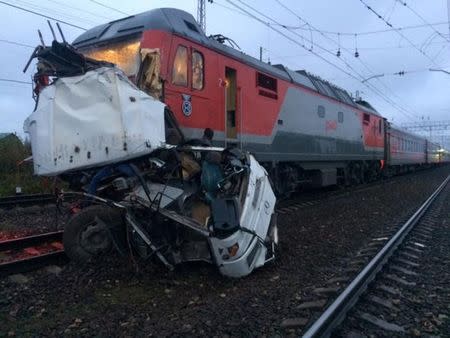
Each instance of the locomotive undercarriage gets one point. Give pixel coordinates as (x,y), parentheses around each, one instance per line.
(289,177)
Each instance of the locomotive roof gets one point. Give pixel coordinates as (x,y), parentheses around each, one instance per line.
(366,106)
(400,131)
(182,23)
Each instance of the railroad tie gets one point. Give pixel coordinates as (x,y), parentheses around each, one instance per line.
(381,323)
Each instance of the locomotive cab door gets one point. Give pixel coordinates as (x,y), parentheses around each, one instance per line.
(230,106)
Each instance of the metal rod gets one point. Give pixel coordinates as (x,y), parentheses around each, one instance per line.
(439,70)
(60,32)
(51,28)
(372,77)
(41,38)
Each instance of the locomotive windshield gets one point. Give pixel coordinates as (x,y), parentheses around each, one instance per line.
(124,54)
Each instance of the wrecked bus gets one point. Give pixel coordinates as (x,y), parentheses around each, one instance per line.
(146,189)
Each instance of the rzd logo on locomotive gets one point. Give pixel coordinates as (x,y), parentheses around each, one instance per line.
(186,106)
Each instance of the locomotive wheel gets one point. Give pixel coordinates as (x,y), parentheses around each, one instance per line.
(86,236)
(353,173)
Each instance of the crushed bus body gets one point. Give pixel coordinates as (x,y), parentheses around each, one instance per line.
(145,187)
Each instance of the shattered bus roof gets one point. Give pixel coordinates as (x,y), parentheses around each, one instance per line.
(71,129)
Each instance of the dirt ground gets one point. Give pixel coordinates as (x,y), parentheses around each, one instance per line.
(111,297)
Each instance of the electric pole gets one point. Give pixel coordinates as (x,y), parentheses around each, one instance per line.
(201,14)
(448,13)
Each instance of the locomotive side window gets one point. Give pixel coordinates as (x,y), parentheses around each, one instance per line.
(179,70)
(379,127)
(366,119)
(266,82)
(340,117)
(197,70)
(321,111)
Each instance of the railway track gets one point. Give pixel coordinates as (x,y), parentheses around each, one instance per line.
(317,196)
(10,202)
(31,253)
(396,255)
(26,200)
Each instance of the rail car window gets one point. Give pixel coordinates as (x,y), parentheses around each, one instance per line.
(379,127)
(266,82)
(197,70)
(340,117)
(366,118)
(179,71)
(321,111)
(124,54)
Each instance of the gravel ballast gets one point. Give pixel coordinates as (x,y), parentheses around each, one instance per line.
(111,298)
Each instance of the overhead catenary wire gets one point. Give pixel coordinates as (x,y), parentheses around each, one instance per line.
(54,11)
(405,4)
(358,78)
(360,33)
(292,40)
(16,43)
(376,48)
(376,91)
(391,11)
(42,15)
(81,10)
(381,31)
(368,85)
(14,81)
(408,111)
(398,31)
(109,7)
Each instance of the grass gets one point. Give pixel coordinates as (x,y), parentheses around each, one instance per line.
(30,184)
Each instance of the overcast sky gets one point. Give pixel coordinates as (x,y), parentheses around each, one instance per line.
(409,98)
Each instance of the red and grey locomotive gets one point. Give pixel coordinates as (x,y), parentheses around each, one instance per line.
(301,127)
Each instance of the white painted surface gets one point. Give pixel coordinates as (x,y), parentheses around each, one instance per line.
(91,120)
(255,216)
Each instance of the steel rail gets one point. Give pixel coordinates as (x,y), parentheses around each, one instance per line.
(10,201)
(33,199)
(336,312)
(32,263)
(26,242)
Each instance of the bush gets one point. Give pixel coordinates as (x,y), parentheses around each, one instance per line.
(12,152)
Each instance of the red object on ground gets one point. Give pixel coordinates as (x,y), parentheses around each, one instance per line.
(57,245)
(32,251)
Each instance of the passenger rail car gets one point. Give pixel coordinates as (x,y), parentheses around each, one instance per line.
(434,153)
(302,128)
(406,150)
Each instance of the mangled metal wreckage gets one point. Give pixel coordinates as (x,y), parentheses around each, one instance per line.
(170,202)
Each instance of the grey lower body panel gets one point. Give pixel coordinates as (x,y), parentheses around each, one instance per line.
(292,147)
